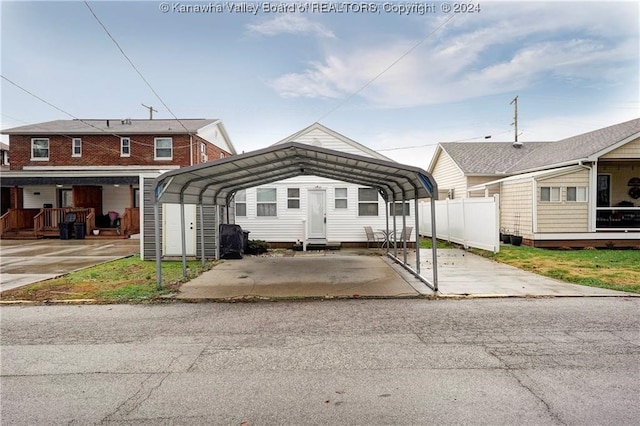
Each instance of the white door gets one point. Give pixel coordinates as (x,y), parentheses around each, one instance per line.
(317,214)
(172,230)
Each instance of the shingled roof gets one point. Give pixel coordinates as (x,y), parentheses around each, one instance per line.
(125,127)
(493,158)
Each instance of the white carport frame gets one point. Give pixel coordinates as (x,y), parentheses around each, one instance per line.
(216,183)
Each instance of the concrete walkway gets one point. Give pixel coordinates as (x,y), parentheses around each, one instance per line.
(369,273)
(26,262)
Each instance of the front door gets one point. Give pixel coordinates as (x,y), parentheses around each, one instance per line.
(317,214)
(172,230)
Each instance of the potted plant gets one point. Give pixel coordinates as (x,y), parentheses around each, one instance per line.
(505,236)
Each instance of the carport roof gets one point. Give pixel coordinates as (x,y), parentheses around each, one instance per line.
(214,182)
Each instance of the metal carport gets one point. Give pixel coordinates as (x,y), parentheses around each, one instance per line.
(215,183)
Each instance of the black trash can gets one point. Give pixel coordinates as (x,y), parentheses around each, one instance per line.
(231,241)
(65,230)
(66,227)
(80,229)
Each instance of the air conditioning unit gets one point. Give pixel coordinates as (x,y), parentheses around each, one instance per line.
(205,158)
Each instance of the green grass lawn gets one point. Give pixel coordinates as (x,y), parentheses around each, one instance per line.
(124,280)
(612,269)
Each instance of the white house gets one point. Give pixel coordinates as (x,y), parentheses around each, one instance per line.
(314,209)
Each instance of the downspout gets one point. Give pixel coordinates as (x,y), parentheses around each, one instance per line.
(190,149)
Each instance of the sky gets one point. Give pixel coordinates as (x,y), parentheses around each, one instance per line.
(398,77)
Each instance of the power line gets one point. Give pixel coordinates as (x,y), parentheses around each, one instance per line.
(79,119)
(437,143)
(415,46)
(134,67)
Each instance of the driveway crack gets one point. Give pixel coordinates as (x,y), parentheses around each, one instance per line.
(148,385)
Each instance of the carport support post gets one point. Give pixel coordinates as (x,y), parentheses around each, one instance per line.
(201,232)
(393,210)
(415,212)
(404,227)
(434,243)
(183,240)
(386,211)
(156,230)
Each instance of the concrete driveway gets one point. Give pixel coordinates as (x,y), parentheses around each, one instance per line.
(24,262)
(368,273)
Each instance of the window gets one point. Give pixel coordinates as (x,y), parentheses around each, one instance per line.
(577,193)
(76,147)
(136,197)
(550,193)
(341,198)
(164,148)
(397,211)
(65,198)
(367,202)
(293,198)
(267,202)
(125,147)
(40,149)
(604,190)
(241,203)
(203,148)
(222,155)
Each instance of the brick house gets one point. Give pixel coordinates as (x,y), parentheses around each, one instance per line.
(97,169)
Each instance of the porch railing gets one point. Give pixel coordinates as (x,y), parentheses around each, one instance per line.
(16,219)
(618,218)
(47,220)
(130,221)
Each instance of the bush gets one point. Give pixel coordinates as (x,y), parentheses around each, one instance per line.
(257,247)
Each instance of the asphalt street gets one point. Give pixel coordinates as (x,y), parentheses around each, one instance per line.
(539,361)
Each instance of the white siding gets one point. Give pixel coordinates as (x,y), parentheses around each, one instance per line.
(317,137)
(36,196)
(516,208)
(343,225)
(563,216)
(449,176)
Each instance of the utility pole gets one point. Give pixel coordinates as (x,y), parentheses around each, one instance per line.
(151,111)
(515,116)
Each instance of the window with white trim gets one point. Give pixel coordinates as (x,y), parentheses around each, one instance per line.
(125,147)
(550,193)
(266,202)
(577,194)
(293,198)
(396,210)
(40,149)
(241,203)
(367,202)
(341,198)
(163,148)
(76,147)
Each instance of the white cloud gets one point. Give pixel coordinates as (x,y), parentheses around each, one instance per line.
(505,50)
(290,24)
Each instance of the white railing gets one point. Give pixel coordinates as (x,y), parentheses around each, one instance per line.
(471,222)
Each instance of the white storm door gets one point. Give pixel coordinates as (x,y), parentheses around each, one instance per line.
(317,214)
(172,230)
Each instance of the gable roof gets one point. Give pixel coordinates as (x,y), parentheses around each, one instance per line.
(580,147)
(125,127)
(317,126)
(494,158)
(486,158)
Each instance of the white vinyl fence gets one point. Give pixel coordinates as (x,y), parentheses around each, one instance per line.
(471,222)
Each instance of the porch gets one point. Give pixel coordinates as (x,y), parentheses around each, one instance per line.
(44,223)
(618,196)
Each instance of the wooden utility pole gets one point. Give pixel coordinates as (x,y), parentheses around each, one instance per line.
(515,116)
(151,111)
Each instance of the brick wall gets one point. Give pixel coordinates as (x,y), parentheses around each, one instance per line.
(104,150)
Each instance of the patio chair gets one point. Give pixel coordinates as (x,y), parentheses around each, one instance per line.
(404,235)
(373,237)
